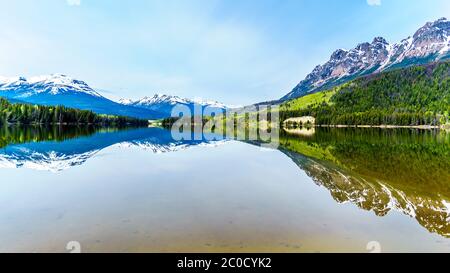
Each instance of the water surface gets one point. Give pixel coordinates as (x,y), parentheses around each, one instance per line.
(138,190)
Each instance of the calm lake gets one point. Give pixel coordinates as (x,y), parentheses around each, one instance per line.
(138,190)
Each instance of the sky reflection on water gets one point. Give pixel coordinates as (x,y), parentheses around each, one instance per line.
(138,190)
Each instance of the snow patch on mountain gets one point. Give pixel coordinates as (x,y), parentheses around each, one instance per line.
(446,47)
(125,101)
(53,84)
(429,43)
(160,100)
(210,103)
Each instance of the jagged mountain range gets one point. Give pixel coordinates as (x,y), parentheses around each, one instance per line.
(165,103)
(59,89)
(430,43)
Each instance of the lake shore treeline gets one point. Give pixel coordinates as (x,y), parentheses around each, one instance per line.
(29,114)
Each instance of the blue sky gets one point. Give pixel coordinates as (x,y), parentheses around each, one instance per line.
(233,51)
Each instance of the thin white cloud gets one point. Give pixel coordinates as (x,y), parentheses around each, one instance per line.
(374,2)
(73,2)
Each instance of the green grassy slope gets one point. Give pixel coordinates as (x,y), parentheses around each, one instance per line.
(417,95)
(315,99)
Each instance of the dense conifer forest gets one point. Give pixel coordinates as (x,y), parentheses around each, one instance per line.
(418,95)
(27,114)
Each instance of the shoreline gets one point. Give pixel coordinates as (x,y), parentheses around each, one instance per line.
(68,124)
(422,127)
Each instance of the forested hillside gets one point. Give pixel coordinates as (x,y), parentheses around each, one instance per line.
(20,113)
(417,95)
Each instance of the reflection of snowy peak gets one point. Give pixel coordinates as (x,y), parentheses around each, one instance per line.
(167,148)
(59,156)
(433,214)
(50,161)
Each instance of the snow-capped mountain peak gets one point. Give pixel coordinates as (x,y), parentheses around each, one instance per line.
(165,103)
(161,98)
(13,81)
(430,43)
(210,103)
(50,84)
(59,89)
(125,101)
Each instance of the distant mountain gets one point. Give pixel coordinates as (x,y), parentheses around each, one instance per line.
(165,103)
(58,89)
(430,43)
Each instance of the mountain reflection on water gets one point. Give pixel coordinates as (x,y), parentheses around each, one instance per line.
(378,170)
(58,148)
